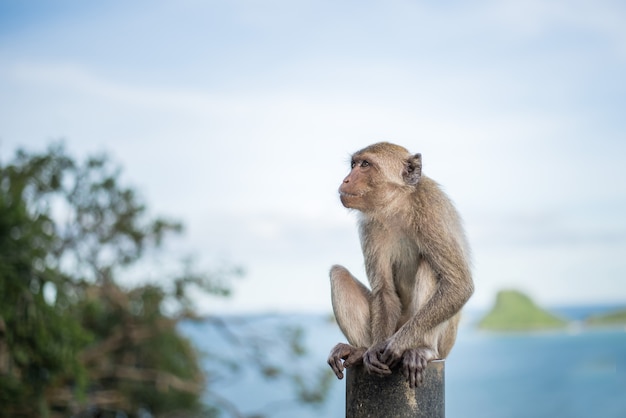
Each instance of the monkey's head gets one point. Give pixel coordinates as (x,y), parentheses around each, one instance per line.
(378,173)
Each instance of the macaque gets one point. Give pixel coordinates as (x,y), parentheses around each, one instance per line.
(417,263)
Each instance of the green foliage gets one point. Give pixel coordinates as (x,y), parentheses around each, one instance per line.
(145,358)
(514,311)
(38,340)
(73,342)
(70,337)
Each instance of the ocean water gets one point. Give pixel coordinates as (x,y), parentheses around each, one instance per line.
(573,373)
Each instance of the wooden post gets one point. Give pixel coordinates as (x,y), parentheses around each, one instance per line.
(371,396)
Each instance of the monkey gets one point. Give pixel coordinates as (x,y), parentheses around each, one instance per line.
(417,261)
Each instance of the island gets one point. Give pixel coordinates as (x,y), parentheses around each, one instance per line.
(611,319)
(515,311)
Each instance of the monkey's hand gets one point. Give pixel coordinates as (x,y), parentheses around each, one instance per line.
(343,356)
(414,362)
(372,359)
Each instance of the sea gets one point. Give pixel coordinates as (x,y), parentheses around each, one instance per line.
(252,368)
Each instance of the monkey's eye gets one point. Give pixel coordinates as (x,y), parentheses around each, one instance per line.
(365,163)
(352,164)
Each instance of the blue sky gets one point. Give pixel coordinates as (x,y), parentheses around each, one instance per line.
(238,117)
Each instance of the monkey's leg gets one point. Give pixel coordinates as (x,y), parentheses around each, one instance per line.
(350,300)
(448,336)
(351,306)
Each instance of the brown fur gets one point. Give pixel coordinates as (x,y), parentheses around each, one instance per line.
(417,262)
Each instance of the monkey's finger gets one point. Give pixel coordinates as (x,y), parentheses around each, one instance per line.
(338,373)
(413,378)
(337,366)
(393,362)
(390,358)
(379,370)
(409,374)
(373,365)
(405,371)
(354,358)
(419,378)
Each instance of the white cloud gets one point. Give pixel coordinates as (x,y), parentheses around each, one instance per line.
(243,128)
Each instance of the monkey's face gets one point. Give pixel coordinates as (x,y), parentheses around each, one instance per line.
(377,173)
(356,188)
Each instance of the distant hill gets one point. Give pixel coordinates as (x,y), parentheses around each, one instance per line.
(514,311)
(615,318)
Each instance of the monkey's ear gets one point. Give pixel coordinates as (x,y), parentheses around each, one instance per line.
(413,169)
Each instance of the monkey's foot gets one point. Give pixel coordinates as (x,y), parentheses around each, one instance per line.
(343,356)
(414,362)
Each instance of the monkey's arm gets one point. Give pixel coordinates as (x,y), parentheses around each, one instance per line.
(454,286)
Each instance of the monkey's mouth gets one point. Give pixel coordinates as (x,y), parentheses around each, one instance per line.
(346,194)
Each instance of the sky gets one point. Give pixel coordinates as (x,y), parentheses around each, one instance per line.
(238,118)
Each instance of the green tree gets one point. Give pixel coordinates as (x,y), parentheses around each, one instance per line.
(38,341)
(71,337)
(73,342)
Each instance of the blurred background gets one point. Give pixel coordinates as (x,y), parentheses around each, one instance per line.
(231,123)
